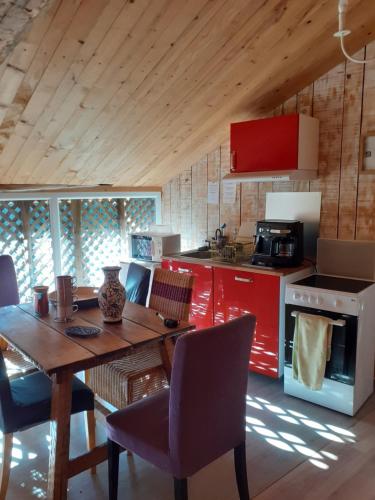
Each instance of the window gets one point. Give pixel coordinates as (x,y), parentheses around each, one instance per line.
(75,235)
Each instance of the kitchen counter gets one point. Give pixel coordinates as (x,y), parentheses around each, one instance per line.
(242,266)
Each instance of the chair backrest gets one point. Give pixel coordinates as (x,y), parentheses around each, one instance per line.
(171,293)
(9,289)
(208,394)
(137,284)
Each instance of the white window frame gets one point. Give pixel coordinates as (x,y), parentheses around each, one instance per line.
(53,198)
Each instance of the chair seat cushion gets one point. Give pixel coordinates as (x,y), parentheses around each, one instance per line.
(143,428)
(32,399)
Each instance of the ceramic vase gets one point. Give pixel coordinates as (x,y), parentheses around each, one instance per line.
(111,295)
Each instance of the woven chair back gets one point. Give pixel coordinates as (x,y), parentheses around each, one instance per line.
(171,293)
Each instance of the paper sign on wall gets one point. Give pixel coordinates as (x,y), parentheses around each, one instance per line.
(213,193)
(229,192)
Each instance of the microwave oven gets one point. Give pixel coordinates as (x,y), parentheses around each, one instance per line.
(150,246)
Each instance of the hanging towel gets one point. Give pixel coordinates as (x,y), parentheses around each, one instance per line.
(311,349)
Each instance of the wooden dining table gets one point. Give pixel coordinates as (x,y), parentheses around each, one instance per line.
(44,342)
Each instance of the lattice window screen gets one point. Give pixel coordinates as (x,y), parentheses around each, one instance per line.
(25,234)
(100,238)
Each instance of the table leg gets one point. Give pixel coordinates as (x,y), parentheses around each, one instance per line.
(60,436)
(166,351)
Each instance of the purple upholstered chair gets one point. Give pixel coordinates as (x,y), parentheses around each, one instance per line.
(201,416)
(9,288)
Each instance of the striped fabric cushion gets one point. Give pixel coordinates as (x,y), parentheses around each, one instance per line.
(171,293)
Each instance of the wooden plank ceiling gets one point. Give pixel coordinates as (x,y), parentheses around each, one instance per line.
(132,92)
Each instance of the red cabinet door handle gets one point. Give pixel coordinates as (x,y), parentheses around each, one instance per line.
(243,280)
(183,270)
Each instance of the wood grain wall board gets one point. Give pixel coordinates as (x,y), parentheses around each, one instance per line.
(197,77)
(199,215)
(249,201)
(135,62)
(304,106)
(166,203)
(53,56)
(176,204)
(200,91)
(188,134)
(328,108)
(131,109)
(49,117)
(213,175)
(350,148)
(336,100)
(133,92)
(230,214)
(365,226)
(210,91)
(185,209)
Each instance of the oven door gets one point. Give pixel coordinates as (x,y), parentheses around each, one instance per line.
(341,366)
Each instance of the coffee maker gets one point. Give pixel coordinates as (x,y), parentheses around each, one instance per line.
(278,243)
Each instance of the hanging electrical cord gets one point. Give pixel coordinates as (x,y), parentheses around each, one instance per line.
(342,33)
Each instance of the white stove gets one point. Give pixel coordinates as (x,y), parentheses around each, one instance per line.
(350,305)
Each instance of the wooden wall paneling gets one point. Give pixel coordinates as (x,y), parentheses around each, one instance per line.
(186,210)
(350,148)
(214,98)
(189,138)
(365,226)
(199,206)
(328,108)
(166,203)
(229,213)
(249,202)
(125,71)
(213,175)
(48,120)
(128,122)
(115,28)
(191,77)
(304,106)
(176,204)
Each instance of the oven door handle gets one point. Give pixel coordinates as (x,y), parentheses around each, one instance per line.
(333,322)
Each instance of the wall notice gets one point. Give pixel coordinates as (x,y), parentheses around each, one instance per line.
(229,192)
(213,193)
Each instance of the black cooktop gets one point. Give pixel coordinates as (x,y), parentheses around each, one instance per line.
(334,283)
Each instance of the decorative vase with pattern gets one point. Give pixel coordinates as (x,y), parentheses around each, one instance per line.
(111,295)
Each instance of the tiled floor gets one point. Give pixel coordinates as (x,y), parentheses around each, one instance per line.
(290,444)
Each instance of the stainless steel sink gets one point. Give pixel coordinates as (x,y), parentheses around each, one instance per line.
(202,254)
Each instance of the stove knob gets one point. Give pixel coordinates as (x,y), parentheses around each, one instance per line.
(337,303)
(319,301)
(304,298)
(296,296)
(311,299)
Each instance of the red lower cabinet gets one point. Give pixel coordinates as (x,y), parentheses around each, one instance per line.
(240,292)
(202,299)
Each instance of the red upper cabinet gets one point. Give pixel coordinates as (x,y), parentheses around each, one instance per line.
(280,144)
(240,292)
(202,298)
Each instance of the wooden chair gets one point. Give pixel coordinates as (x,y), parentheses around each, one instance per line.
(142,373)
(26,402)
(17,365)
(200,418)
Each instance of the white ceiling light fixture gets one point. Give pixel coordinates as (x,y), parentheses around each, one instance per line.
(342,33)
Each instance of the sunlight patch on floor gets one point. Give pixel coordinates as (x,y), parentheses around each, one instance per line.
(291,442)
